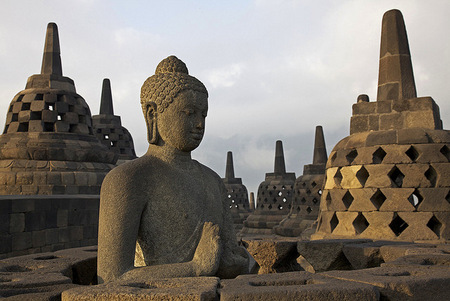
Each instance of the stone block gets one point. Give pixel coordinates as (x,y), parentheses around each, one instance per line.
(381,137)
(63,235)
(6,245)
(359,123)
(443,174)
(378,227)
(294,286)
(70,117)
(360,201)
(24,116)
(391,121)
(22,205)
(430,153)
(24,178)
(378,175)
(38,238)
(61,126)
(345,227)
(417,228)
(349,178)
(397,199)
(412,136)
(34,220)
(364,108)
(37,105)
(444,217)
(49,116)
(384,106)
(29,189)
(273,256)
(35,126)
(402,283)
(366,255)
(326,255)
(76,233)
(415,175)
(51,236)
(334,200)
(16,222)
(5,224)
(190,288)
(62,219)
(21,241)
(421,119)
(433,199)
(67,178)
(396,154)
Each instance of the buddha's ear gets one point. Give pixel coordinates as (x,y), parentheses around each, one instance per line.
(150,119)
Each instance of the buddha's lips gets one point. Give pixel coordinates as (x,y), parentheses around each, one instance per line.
(197,135)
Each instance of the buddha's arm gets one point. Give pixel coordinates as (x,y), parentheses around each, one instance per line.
(205,262)
(119,218)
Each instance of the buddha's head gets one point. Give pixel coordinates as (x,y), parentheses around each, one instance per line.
(175,105)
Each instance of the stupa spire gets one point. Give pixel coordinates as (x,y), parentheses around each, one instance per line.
(229,172)
(280,166)
(320,151)
(106,104)
(51,61)
(395,77)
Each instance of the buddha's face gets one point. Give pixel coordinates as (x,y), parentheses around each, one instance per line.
(182,124)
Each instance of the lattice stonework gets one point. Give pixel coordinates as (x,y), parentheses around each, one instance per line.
(48,111)
(389,191)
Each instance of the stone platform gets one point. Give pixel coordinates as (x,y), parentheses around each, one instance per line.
(358,269)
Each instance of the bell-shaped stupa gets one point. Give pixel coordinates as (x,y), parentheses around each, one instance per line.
(48,145)
(307,192)
(237,194)
(108,127)
(390,178)
(274,198)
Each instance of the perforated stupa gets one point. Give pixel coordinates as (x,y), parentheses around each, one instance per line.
(307,192)
(108,127)
(274,198)
(48,145)
(390,178)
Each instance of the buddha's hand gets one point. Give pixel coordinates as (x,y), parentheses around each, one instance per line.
(207,255)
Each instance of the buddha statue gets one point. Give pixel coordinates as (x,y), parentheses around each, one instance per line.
(164,214)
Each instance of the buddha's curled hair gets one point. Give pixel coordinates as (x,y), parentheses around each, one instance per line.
(171,77)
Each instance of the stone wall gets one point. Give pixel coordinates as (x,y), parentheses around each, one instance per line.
(34,224)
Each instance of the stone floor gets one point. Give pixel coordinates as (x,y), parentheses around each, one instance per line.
(283,269)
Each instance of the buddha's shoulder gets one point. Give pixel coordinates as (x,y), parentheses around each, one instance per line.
(134,169)
(209,172)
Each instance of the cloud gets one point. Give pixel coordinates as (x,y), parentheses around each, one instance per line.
(224,77)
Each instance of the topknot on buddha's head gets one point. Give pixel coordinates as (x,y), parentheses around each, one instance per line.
(171,77)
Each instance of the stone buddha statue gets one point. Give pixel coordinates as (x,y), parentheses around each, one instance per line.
(164,214)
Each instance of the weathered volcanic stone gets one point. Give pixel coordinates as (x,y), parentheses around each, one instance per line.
(307,192)
(274,200)
(237,195)
(108,127)
(48,135)
(390,181)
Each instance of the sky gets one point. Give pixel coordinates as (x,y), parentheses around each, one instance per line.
(274,69)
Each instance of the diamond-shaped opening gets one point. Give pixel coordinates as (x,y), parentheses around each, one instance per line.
(284,200)
(308,191)
(315,200)
(412,153)
(303,200)
(351,156)
(274,200)
(262,206)
(378,199)
(283,187)
(319,192)
(448,197)
(435,225)
(334,222)
(446,152)
(274,187)
(328,199)
(280,207)
(431,176)
(308,209)
(360,223)
(298,209)
(270,207)
(347,199)
(303,184)
(39,97)
(313,184)
(338,177)
(270,192)
(415,198)
(398,225)
(378,156)
(280,193)
(265,200)
(396,177)
(362,175)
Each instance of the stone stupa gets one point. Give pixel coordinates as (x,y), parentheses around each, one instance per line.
(390,178)
(237,194)
(48,145)
(307,192)
(274,198)
(108,127)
